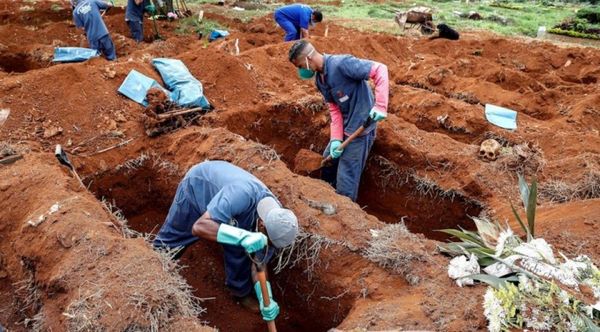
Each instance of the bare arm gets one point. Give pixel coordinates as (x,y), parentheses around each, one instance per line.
(304,33)
(138,2)
(206,228)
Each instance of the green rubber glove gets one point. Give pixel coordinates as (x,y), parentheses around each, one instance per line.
(333,149)
(377,115)
(251,241)
(151,9)
(268,313)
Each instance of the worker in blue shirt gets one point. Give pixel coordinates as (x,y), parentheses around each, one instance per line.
(343,82)
(87,15)
(134,16)
(295,20)
(221,202)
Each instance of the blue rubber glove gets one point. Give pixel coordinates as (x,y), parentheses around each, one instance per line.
(268,313)
(333,149)
(251,241)
(377,115)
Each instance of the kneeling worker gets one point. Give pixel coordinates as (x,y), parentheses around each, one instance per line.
(87,15)
(221,202)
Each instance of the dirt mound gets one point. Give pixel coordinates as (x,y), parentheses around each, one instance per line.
(423,173)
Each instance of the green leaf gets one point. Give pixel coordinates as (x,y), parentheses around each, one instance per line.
(488,279)
(531,206)
(485,261)
(461,235)
(524,190)
(589,324)
(525,229)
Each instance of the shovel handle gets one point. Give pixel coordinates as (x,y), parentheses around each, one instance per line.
(262,279)
(349,140)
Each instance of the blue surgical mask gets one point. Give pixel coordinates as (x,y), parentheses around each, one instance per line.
(306,73)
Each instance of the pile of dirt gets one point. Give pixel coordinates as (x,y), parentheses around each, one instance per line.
(423,174)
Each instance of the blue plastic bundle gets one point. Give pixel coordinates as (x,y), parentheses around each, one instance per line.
(186,90)
(216,34)
(73,54)
(136,86)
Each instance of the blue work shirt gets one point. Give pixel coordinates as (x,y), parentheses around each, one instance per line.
(299,15)
(227,192)
(344,81)
(135,12)
(87,15)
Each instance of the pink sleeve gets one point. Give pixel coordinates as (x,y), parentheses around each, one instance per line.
(379,75)
(337,123)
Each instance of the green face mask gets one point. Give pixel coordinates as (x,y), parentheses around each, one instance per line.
(306,73)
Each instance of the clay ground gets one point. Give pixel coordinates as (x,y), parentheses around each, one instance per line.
(77,270)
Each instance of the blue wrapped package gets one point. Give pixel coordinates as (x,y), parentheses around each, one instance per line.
(136,85)
(186,90)
(73,54)
(216,34)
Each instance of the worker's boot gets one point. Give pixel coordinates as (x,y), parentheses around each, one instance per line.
(249,302)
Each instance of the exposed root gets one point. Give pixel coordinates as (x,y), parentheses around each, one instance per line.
(305,250)
(163,301)
(83,313)
(150,159)
(394,247)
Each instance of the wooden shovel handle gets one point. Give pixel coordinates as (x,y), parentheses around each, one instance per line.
(349,140)
(262,279)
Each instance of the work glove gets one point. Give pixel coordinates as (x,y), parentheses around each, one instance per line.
(268,313)
(377,115)
(333,149)
(251,241)
(151,9)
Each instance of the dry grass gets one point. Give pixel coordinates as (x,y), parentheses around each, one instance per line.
(150,159)
(394,247)
(6,150)
(558,191)
(526,158)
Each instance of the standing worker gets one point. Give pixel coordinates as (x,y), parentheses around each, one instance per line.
(221,202)
(295,20)
(87,15)
(343,82)
(134,16)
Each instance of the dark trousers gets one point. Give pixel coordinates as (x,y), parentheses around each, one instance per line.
(137,30)
(105,46)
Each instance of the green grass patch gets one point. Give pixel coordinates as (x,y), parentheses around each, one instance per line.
(190,25)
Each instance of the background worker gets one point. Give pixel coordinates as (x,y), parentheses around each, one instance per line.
(343,82)
(295,20)
(87,15)
(221,202)
(134,16)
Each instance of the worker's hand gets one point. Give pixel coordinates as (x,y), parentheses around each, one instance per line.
(251,241)
(151,9)
(270,312)
(377,115)
(333,149)
(254,241)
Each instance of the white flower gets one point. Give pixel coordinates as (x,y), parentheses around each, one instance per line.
(538,320)
(460,267)
(538,249)
(502,239)
(493,311)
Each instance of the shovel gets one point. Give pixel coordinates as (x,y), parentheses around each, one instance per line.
(62,157)
(307,161)
(262,279)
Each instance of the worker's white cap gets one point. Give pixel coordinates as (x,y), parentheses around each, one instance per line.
(281,224)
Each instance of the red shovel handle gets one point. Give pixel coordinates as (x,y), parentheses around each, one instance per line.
(262,279)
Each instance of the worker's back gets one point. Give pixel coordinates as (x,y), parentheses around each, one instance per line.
(298,14)
(87,14)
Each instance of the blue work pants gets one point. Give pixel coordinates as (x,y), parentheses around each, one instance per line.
(105,46)
(345,171)
(137,30)
(291,32)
